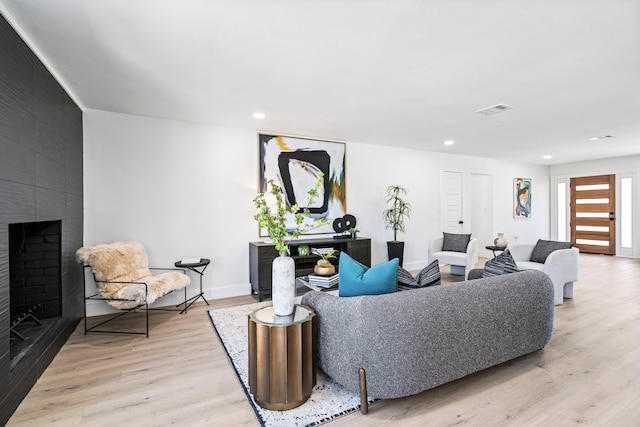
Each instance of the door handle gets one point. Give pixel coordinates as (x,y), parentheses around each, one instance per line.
(460,222)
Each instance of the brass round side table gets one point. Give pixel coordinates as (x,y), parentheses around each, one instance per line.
(282,357)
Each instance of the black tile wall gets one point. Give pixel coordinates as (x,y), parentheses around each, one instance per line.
(40,179)
(50,174)
(17,163)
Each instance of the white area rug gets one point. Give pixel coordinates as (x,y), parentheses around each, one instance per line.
(328,399)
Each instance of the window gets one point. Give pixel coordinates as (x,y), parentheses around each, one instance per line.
(625,215)
(562,211)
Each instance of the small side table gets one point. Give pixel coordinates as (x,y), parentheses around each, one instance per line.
(193,266)
(282,357)
(496,248)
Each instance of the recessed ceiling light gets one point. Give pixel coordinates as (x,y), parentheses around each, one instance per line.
(259,115)
(449,142)
(547,157)
(596,138)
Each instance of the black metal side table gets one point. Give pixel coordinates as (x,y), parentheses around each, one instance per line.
(193,266)
(496,248)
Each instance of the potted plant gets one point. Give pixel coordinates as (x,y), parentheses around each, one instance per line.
(394,219)
(323,266)
(274,221)
(304,250)
(354,232)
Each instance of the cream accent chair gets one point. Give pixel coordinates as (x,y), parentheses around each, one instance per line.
(125,281)
(561,266)
(461,263)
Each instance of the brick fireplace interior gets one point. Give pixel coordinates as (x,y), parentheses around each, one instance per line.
(35,283)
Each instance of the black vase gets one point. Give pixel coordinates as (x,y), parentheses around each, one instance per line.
(395,250)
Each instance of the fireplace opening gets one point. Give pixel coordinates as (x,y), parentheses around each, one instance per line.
(35,284)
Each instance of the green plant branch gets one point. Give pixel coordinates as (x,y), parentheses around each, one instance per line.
(274,221)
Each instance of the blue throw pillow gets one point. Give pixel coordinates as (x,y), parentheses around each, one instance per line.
(357,279)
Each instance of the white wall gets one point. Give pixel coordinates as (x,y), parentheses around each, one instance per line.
(186,190)
(617,165)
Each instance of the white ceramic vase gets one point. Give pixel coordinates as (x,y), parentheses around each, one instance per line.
(283,285)
(500,241)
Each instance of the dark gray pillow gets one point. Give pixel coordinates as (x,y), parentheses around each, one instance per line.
(476,273)
(502,264)
(455,242)
(429,276)
(544,247)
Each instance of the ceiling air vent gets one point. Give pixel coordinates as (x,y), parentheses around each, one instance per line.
(494,109)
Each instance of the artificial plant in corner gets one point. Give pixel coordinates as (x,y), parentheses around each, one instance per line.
(394,217)
(283,285)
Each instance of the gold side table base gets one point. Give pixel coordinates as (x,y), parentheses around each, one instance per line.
(282,367)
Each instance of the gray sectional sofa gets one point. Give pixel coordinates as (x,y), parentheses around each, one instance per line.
(415,340)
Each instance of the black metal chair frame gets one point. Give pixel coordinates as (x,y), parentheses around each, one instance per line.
(145,306)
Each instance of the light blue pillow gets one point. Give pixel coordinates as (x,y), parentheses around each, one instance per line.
(357,279)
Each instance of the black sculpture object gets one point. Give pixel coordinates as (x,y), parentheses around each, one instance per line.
(342,225)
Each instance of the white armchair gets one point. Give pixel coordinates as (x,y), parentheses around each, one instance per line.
(461,262)
(561,266)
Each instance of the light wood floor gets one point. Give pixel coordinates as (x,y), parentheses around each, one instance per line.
(588,374)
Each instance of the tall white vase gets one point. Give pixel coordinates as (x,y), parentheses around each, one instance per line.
(283,285)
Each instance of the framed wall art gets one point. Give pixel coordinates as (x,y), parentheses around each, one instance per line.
(295,163)
(522,197)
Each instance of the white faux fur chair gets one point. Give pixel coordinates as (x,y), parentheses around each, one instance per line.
(561,266)
(123,277)
(461,262)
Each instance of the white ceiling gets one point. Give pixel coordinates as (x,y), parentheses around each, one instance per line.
(400,73)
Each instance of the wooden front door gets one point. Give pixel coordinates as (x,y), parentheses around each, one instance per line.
(593,214)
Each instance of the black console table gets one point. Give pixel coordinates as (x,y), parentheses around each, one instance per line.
(261,256)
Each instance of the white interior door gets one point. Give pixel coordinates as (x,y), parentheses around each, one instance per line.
(481,212)
(452,216)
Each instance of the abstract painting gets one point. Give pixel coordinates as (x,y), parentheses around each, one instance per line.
(294,164)
(522,197)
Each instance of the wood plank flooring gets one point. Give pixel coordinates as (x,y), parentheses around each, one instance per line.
(588,374)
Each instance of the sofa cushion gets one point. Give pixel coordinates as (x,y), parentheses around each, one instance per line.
(455,242)
(476,273)
(452,258)
(502,264)
(543,248)
(357,279)
(528,265)
(429,276)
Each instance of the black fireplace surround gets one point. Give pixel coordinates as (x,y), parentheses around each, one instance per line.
(40,189)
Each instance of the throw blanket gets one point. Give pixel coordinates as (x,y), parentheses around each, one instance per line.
(121,271)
